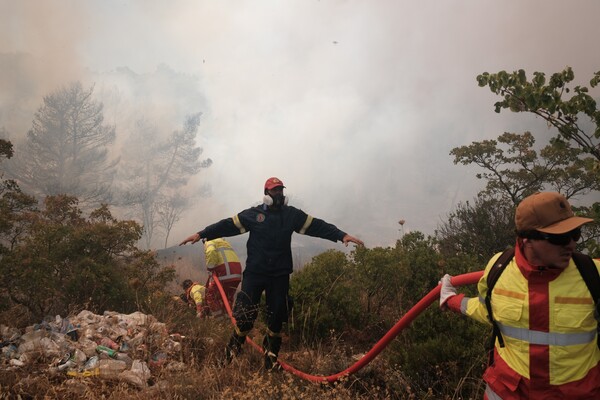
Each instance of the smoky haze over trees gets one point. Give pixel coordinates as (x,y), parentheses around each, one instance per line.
(67,148)
(155,171)
(158,132)
(90,140)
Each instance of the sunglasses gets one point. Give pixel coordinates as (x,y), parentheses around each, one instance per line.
(559,240)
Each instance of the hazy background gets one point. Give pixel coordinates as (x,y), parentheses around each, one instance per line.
(355,105)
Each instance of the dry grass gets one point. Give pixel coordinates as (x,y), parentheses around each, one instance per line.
(244,378)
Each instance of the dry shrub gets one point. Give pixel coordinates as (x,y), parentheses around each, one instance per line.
(16,316)
(244,378)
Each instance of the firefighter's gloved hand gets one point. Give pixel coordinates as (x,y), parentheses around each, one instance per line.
(446,291)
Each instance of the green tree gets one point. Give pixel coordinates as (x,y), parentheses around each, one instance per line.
(514,170)
(66,151)
(155,171)
(64,262)
(14,206)
(554,101)
(569,163)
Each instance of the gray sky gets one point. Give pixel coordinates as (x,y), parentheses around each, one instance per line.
(355,105)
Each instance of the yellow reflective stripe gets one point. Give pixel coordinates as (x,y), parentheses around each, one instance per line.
(573,300)
(491,395)
(238,224)
(464,303)
(228,275)
(231,255)
(547,338)
(509,293)
(307,223)
(224,258)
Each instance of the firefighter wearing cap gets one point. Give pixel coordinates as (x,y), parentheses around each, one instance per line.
(269,262)
(543,308)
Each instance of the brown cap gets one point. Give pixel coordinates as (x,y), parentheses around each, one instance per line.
(548,212)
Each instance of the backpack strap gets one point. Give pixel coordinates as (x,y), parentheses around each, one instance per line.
(589,273)
(492,277)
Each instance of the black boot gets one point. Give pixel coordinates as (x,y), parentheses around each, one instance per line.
(271,345)
(233,348)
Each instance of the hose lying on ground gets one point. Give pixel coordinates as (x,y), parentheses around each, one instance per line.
(426,301)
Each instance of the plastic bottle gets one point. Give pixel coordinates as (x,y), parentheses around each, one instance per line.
(107,342)
(137,375)
(91,363)
(111,368)
(68,364)
(124,357)
(103,349)
(79,357)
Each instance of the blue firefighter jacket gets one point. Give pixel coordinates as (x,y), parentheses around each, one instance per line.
(269,243)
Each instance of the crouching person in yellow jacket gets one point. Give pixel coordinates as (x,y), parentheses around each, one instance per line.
(546,345)
(193,296)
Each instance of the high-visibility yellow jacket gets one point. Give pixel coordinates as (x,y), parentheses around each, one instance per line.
(546,318)
(222,259)
(194,295)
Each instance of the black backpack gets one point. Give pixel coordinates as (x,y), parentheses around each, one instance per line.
(586,268)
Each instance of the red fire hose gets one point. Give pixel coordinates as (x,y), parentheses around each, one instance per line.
(433,295)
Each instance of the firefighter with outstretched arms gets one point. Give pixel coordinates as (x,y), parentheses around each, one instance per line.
(269,262)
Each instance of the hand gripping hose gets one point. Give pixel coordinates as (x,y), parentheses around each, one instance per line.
(433,295)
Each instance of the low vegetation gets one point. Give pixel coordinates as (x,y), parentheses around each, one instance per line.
(59,259)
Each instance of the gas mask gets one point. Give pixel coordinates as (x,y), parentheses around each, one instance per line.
(276,201)
(279,200)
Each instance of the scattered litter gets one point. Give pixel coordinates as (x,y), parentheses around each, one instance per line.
(108,346)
